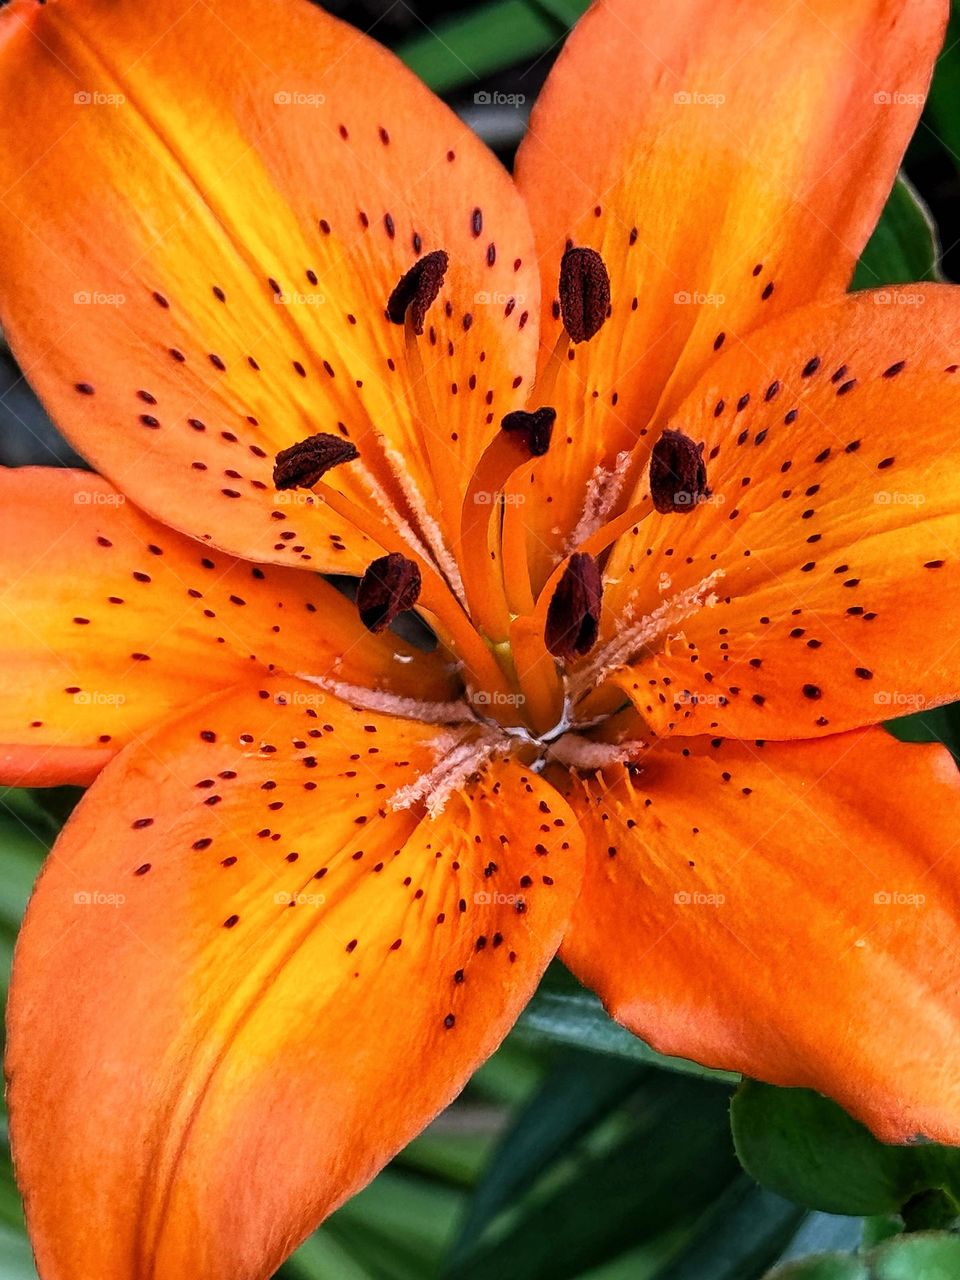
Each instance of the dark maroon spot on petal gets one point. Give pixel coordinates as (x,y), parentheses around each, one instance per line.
(584,293)
(894,369)
(678,473)
(811,367)
(417,290)
(84,388)
(534,427)
(302,465)
(573,618)
(812,692)
(390,586)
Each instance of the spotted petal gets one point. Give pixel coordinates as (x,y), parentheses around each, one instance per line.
(789,911)
(204,212)
(109,622)
(247,977)
(729,162)
(816,589)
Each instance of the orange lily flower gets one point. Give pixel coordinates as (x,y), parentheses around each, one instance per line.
(685,533)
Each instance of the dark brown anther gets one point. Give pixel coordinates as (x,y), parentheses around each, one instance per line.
(390,586)
(573,618)
(534,427)
(418,289)
(678,473)
(584,293)
(302,465)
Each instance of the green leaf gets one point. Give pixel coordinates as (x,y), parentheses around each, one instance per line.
(321,1257)
(930,1256)
(645,1177)
(578,1092)
(463,49)
(940,113)
(828,1266)
(16,1260)
(740,1236)
(935,724)
(565,12)
(579,1021)
(805,1147)
(903,247)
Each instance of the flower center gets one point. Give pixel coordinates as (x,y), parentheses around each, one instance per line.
(529,670)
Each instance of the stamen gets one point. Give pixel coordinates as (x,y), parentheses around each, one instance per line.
(381,502)
(580,753)
(678,473)
(417,290)
(302,465)
(603,490)
(390,586)
(584,293)
(535,427)
(393,704)
(457,760)
(429,526)
(573,617)
(644,633)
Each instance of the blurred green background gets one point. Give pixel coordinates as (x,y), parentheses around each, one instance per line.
(577,1152)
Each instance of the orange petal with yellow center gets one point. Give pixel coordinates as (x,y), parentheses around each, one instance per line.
(729,162)
(830,543)
(787,911)
(246,979)
(226,200)
(110,622)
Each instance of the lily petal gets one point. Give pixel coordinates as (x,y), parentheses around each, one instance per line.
(228,196)
(729,162)
(830,544)
(110,621)
(248,976)
(789,911)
